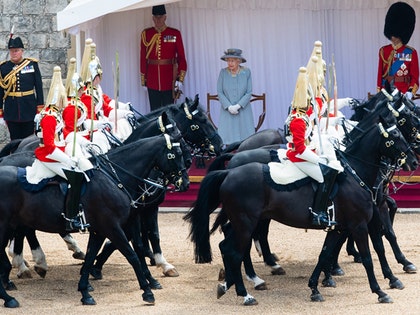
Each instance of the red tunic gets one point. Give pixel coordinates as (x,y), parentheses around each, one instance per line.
(401,65)
(68,117)
(51,136)
(159,55)
(101,103)
(300,129)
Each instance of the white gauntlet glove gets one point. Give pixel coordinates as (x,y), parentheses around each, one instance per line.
(232,110)
(178,85)
(409,95)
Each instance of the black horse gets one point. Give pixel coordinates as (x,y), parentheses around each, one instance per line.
(109,202)
(23,156)
(247,196)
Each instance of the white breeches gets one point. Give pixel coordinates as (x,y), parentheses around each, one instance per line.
(311,169)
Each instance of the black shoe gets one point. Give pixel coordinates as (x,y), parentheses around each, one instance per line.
(75,224)
(322,219)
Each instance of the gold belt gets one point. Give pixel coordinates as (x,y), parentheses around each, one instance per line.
(20,94)
(161,61)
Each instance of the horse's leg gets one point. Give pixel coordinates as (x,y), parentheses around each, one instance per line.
(352,251)
(119,239)
(94,244)
(5,267)
(146,244)
(16,252)
(38,254)
(136,241)
(360,236)
(251,275)
(269,257)
(150,218)
(232,260)
(96,270)
(387,216)
(73,246)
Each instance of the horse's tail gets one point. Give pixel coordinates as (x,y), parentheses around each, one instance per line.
(208,200)
(232,147)
(10,147)
(219,162)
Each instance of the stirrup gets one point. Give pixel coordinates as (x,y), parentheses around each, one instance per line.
(322,219)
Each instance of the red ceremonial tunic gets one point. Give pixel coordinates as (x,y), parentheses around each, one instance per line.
(51,137)
(100,103)
(69,115)
(401,65)
(162,58)
(300,128)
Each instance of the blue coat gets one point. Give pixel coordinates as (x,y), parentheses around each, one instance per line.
(234,90)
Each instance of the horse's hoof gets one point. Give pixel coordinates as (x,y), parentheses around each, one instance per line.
(261,286)
(96,273)
(12,303)
(171,273)
(40,271)
(278,271)
(396,284)
(155,285)
(79,255)
(221,290)
(385,299)
(222,274)
(317,297)
(250,301)
(88,301)
(10,286)
(148,297)
(410,268)
(329,283)
(25,274)
(337,272)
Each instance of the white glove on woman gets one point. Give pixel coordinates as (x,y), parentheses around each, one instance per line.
(232,110)
(237,107)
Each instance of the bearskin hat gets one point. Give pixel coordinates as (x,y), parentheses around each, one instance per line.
(400,21)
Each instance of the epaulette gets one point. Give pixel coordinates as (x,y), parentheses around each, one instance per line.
(412,48)
(3,62)
(32,59)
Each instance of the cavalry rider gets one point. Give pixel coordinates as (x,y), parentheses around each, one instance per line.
(301,149)
(398,63)
(50,159)
(101,110)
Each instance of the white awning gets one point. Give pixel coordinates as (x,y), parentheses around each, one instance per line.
(79,12)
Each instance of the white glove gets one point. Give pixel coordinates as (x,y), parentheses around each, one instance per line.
(144,88)
(409,95)
(125,106)
(232,110)
(178,85)
(310,156)
(323,160)
(1,120)
(237,107)
(60,156)
(37,118)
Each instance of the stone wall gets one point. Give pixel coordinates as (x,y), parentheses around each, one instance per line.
(35,21)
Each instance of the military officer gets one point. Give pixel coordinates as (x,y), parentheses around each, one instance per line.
(398,63)
(21,92)
(162,60)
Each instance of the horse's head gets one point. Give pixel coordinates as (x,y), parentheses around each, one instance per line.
(196,128)
(171,164)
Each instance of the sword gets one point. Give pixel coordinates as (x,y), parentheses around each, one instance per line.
(116,73)
(315,106)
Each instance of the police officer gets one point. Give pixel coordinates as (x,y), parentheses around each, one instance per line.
(162,61)
(398,63)
(20,91)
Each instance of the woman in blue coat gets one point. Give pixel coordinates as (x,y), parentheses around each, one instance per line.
(234,89)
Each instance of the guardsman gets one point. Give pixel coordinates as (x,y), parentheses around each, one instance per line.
(21,92)
(301,150)
(398,63)
(162,61)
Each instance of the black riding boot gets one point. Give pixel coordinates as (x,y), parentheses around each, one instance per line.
(75,218)
(319,209)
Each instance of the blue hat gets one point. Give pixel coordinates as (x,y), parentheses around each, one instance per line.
(233,53)
(159,10)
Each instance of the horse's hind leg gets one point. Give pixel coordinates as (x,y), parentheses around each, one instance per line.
(73,246)
(251,275)
(16,252)
(96,270)
(5,268)
(38,254)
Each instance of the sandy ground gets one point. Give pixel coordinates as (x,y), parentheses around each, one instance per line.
(194,291)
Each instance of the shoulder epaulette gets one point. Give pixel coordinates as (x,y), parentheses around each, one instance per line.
(3,62)
(412,48)
(32,59)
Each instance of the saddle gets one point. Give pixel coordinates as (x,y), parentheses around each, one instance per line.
(56,180)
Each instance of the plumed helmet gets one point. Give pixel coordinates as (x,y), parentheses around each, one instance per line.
(300,96)
(15,43)
(84,69)
(71,69)
(313,78)
(57,94)
(400,21)
(95,68)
